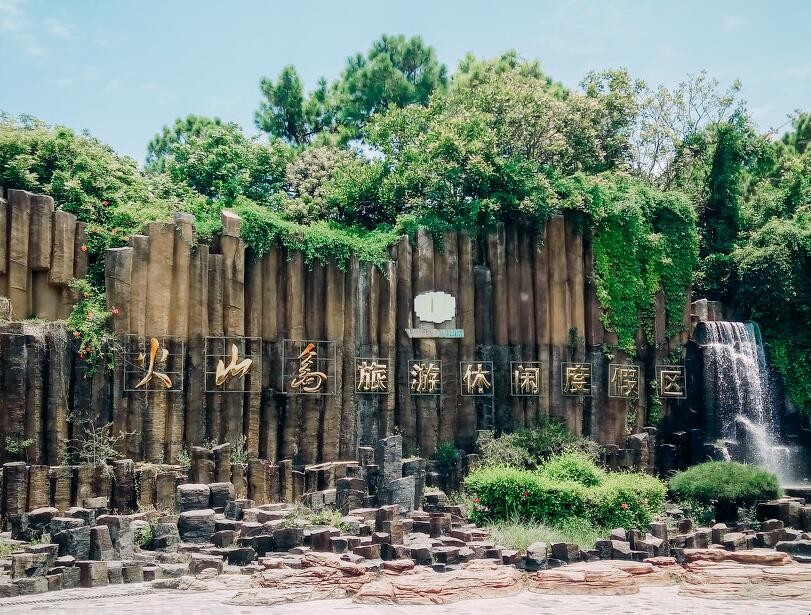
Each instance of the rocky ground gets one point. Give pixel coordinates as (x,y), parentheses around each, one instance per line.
(140,599)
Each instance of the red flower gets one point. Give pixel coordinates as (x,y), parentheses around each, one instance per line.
(81,354)
(76,334)
(105,202)
(87,349)
(475,500)
(526,493)
(84,247)
(624,506)
(116,311)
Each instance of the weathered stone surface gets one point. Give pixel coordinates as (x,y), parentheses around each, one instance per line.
(389,458)
(165,536)
(74,541)
(32,585)
(221,494)
(288,537)
(400,492)
(200,562)
(762,557)
(133,572)
(101,545)
(595,578)
(193,496)
(320,574)
(196,525)
(29,565)
(92,574)
(473,580)
(121,534)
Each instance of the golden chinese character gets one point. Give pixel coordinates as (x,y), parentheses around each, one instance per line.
(526,380)
(234,369)
(307,380)
(671,382)
(624,380)
(424,378)
(373,377)
(577,379)
(154,359)
(475,381)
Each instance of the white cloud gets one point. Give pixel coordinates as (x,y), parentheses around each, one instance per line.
(16,27)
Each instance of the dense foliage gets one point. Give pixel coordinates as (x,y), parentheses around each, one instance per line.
(674,186)
(530,448)
(555,494)
(726,482)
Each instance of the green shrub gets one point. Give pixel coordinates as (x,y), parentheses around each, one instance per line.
(615,500)
(529,448)
(725,482)
(575,467)
(446,455)
(508,493)
(628,500)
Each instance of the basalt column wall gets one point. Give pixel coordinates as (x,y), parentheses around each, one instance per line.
(522,294)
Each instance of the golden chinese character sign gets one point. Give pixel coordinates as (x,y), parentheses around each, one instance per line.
(372,376)
(576,379)
(526,378)
(476,378)
(153,363)
(425,377)
(623,381)
(671,381)
(230,361)
(308,367)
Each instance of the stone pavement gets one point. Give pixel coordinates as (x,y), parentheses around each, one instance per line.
(139,599)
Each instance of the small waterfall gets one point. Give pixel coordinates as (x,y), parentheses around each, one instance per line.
(737,385)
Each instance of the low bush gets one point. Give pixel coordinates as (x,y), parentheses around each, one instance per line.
(628,500)
(510,493)
(553,495)
(529,448)
(725,482)
(575,467)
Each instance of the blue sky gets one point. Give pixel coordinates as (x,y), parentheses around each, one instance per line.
(123,70)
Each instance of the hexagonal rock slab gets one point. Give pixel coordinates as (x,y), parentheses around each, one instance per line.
(474,580)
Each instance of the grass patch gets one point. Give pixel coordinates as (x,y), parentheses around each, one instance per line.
(517,534)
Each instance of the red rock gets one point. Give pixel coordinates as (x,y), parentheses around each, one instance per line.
(474,580)
(597,578)
(761,557)
(398,566)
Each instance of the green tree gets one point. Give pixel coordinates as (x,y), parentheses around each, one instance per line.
(396,71)
(221,163)
(288,113)
(180,132)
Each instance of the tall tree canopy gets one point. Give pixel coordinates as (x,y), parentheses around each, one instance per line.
(396,71)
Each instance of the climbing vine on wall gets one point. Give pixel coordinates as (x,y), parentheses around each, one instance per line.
(644,241)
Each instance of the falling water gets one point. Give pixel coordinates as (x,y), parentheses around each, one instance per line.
(737,374)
